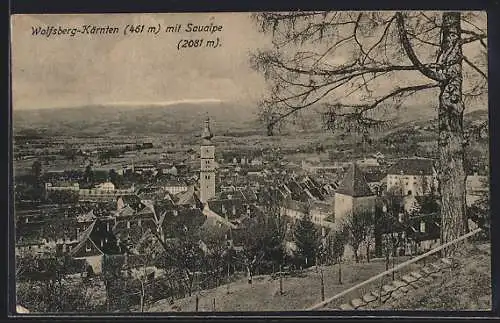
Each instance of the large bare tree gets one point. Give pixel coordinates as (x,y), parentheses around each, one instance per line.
(359,66)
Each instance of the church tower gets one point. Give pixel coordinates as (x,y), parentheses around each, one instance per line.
(207,173)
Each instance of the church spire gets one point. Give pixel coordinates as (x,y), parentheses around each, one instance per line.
(206,135)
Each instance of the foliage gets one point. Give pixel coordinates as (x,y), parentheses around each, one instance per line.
(88,175)
(335,246)
(307,239)
(358,227)
(479,212)
(44,286)
(115,283)
(182,255)
(63,197)
(36,170)
(339,60)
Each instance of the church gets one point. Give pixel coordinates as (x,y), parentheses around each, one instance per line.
(207,172)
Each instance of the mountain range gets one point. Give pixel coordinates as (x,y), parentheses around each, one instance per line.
(182,118)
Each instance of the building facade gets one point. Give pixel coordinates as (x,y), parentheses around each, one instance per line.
(353,194)
(412,176)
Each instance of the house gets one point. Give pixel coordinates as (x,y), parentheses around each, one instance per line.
(96,241)
(321,213)
(189,198)
(229,208)
(173,185)
(106,186)
(412,176)
(353,194)
(139,169)
(86,249)
(368,162)
(153,192)
(256,161)
(132,201)
(130,229)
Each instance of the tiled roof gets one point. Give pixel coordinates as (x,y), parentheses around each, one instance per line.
(374,176)
(354,183)
(152,193)
(233,208)
(83,239)
(412,166)
(188,198)
(174,222)
(133,201)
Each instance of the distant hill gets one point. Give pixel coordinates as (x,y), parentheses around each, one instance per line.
(129,120)
(227,119)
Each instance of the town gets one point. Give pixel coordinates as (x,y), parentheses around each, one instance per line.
(130,234)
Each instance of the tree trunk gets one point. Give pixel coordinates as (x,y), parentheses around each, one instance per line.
(142,300)
(451,172)
(340,272)
(367,253)
(356,257)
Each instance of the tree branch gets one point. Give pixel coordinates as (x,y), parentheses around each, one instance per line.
(477,69)
(474,38)
(411,53)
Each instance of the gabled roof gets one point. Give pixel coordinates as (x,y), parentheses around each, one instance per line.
(152,193)
(82,239)
(354,183)
(87,217)
(133,201)
(412,166)
(126,211)
(188,198)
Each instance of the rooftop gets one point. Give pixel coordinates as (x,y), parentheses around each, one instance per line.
(354,183)
(412,166)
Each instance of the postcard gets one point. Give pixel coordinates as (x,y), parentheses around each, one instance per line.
(251,162)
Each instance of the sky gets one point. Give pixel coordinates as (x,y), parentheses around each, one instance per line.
(64,71)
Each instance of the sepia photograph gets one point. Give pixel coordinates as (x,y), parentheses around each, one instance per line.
(297,161)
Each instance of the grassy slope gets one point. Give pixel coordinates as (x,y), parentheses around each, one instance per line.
(467,287)
(263,294)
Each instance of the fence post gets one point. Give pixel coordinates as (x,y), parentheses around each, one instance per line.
(322,285)
(281,281)
(398,267)
(197,301)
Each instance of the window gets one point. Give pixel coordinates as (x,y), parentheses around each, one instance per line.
(128,224)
